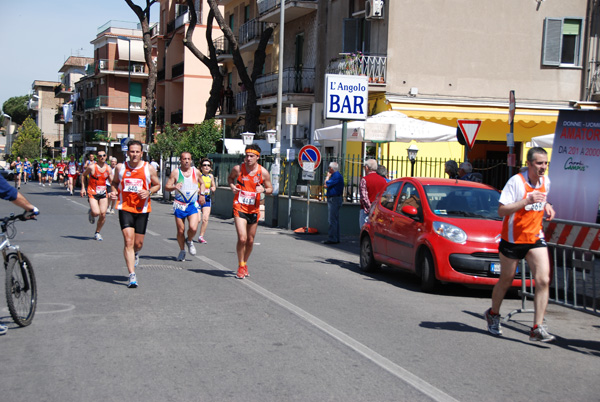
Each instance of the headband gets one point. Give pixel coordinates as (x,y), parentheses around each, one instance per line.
(253,151)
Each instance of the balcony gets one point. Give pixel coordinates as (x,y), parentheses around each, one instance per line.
(177,70)
(112,103)
(62,91)
(374,67)
(99,136)
(59,118)
(241,99)
(182,17)
(294,9)
(120,67)
(155,30)
(250,32)
(223,48)
(294,82)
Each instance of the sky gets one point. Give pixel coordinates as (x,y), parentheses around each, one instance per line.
(38,36)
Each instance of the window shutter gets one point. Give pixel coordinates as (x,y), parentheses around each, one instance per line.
(552,41)
(366,45)
(350,35)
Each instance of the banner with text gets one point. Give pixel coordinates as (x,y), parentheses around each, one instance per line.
(575,164)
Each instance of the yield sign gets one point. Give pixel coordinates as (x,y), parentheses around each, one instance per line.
(469,128)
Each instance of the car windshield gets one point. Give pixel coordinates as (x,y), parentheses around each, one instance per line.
(467,202)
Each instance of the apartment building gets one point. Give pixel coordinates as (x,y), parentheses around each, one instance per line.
(183,81)
(110,99)
(43,107)
(73,69)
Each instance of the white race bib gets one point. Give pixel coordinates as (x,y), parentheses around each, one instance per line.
(182,206)
(100,190)
(247,197)
(133,185)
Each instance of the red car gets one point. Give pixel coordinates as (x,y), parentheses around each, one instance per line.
(444,230)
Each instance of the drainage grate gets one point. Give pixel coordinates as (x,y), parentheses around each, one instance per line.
(159,268)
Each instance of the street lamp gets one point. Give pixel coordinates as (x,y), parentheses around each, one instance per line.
(8,134)
(128,85)
(412,156)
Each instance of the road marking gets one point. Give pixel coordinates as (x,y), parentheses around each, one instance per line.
(152,233)
(391,367)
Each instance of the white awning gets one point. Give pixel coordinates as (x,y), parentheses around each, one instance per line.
(137,50)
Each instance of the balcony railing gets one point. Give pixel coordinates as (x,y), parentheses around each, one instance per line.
(99,136)
(222,46)
(121,65)
(59,118)
(294,81)
(251,30)
(62,89)
(241,99)
(374,67)
(177,70)
(111,102)
(267,5)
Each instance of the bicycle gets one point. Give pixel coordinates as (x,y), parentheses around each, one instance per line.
(20,285)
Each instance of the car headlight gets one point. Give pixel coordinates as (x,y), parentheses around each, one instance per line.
(450,232)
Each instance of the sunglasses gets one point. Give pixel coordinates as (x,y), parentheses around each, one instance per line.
(205,165)
(101,155)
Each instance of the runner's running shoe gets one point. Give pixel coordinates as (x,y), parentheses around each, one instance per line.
(191,247)
(132,281)
(241,272)
(540,333)
(91,217)
(3,329)
(493,322)
(181,256)
(246,270)
(98,236)
(201,240)
(137,259)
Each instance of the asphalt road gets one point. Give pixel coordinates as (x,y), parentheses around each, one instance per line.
(306,325)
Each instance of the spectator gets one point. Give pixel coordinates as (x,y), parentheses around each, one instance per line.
(334,182)
(383,172)
(452,169)
(370,184)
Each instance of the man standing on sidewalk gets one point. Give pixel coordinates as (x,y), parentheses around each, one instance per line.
(370,184)
(96,175)
(334,182)
(184,182)
(247,181)
(133,184)
(523,204)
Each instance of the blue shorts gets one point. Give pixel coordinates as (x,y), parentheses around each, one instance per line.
(207,203)
(191,209)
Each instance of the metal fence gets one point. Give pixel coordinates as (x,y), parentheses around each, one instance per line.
(495,173)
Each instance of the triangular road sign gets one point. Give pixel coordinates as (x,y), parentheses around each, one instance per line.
(469,128)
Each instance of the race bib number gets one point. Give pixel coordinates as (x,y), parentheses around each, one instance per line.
(538,206)
(133,185)
(182,206)
(247,198)
(100,190)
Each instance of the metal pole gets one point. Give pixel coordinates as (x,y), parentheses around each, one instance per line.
(276,166)
(129,91)
(344,137)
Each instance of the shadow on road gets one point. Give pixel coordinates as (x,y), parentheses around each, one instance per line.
(114,279)
(78,237)
(214,272)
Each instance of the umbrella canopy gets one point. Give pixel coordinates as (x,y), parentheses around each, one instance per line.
(544,141)
(407,129)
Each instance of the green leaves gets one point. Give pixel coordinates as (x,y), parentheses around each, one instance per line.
(199,140)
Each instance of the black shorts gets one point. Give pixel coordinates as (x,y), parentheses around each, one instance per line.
(99,197)
(136,221)
(250,218)
(518,251)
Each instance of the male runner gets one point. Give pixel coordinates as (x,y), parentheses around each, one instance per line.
(96,174)
(111,203)
(43,172)
(523,204)
(133,184)
(27,169)
(71,173)
(60,168)
(19,168)
(184,182)
(247,181)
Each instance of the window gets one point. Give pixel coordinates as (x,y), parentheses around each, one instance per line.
(356,35)
(562,42)
(388,198)
(409,196)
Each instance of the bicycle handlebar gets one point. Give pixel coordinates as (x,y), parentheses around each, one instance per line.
(25,216)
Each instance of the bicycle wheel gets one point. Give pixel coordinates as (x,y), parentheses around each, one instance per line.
(21,290)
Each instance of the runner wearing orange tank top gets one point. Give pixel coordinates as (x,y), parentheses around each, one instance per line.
(133,184)
(96,175)
(523,205)
(247,181)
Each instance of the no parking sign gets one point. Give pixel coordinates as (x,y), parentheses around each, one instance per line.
(309,153)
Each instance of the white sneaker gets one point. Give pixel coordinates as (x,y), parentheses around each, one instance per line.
(181,256)
(137,259)
(132,281)
(191,247)
(3,329)
(98,236)
(91,217)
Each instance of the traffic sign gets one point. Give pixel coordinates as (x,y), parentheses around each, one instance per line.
(469,129)
(309,153)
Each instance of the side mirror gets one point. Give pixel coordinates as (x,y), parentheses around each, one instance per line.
(410,211)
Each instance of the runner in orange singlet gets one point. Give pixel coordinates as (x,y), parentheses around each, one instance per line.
(96,175)
(523,205)
(247,181)
(133,184)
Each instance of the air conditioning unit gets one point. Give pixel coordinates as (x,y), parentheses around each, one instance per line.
(374,9)
(138,68)
(102,64)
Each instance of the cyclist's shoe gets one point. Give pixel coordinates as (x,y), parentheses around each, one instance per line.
(91,217)
(540,333)
(181,256)
(241,272)
(98,236)
(191,247)
(493,322)
(137,259)
(132,281)
(3,329)
(201,240)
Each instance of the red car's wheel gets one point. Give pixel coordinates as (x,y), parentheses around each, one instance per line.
(428,281)
(367,261)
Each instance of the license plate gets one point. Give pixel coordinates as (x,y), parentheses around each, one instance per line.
(495,268)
